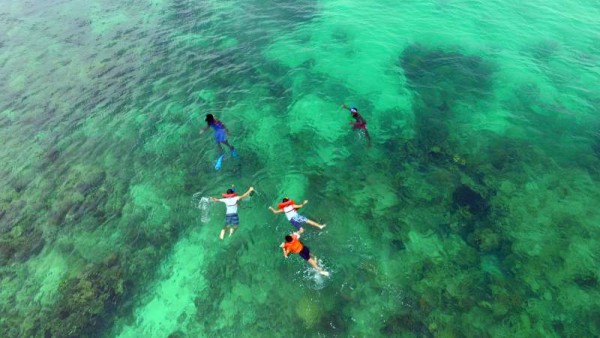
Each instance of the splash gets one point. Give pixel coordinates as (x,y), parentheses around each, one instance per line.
(203,204)
(314,279)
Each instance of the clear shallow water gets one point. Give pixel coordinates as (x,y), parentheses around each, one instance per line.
(474,213)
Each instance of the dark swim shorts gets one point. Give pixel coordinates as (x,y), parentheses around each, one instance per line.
(305,253)
(232,219)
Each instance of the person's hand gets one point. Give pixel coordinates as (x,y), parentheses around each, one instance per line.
(201,131)
(305,202)
(251,189)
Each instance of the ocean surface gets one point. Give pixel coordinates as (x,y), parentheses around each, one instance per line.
(475,212)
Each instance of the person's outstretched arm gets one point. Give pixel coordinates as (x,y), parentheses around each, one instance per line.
(298,206)
(215,199)
(202,130)
(247,193)
(285,252)
(278,211)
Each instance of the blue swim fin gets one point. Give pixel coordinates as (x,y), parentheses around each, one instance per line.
(219,162)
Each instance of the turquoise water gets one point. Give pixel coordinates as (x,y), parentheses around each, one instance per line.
(474,212)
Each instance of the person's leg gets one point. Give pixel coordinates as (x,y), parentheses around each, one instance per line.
(223,232)
(315,224)
(227,144)
(231,148)
(298,225)
(368,137)
(233,220)
(316,266)
(307,256)
(220,148)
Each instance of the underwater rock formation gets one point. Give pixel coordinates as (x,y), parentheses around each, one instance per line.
(20,244)
(87,302)
(464,197)
(441,77)
(399,324)
(485,239)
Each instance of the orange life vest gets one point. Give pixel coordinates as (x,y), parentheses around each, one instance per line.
(285,204)
(229,195)
(294,246)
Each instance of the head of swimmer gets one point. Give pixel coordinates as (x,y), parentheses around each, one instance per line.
(289,238)
(230,191)
(209,118)
(285,200)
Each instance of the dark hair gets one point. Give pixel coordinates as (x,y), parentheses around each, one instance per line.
(230,191)
(209,118)
(285,199)
(289,238)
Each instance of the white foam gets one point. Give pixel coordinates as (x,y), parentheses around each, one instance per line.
(316,280)
(203,204)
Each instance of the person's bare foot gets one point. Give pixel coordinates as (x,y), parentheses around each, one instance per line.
(222,234)
(322,226)
(324,273)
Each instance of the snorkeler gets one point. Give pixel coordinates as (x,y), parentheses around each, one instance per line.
(231,215)
(360,122)
(292,244)
(221,133)
(289,207)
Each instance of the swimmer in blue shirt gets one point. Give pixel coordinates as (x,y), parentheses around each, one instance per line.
(221,132)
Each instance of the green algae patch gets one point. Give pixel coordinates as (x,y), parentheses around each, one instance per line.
(308,311)
(87,301)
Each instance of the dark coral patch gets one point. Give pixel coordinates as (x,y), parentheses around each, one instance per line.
(466,198)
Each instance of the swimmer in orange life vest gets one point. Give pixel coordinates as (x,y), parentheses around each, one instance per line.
(292,244)
(231,216)
(289,207)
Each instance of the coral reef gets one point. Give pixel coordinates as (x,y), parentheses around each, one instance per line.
(88,301)
(473,213)
(442,77)
(464,197)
